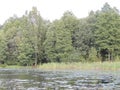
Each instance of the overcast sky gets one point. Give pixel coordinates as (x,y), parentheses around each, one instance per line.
(52,9)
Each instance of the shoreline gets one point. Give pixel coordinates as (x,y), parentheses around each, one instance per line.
(100,66)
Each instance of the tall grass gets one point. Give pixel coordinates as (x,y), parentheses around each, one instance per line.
(71,66)
(82,66)
(13,66)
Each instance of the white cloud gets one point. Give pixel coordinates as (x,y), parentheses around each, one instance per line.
(51,9)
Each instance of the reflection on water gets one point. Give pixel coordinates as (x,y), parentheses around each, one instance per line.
(58,80)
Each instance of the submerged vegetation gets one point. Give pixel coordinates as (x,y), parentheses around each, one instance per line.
(30,40)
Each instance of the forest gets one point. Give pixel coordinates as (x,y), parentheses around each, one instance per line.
(32,40)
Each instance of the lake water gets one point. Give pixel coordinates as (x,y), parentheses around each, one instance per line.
(35,79)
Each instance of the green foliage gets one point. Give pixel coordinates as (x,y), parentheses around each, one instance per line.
(23,38)
(49,44)
(58,43)
(93,55)
(30,40)
(107,33)
(2,47)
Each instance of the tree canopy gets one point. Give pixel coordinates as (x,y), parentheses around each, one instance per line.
(31,40)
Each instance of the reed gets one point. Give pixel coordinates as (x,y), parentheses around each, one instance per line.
(81,66)
(71,66)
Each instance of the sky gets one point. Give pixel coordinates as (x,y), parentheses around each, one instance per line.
(52,9)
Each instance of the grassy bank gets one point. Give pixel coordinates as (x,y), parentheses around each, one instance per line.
(82,66)
(11,66)
(71,66)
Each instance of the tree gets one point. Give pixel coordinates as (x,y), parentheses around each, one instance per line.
(2,47)
(107,34)
(84,35)
(10,29)
(59,39)
(24,38)
(38,31)
(31,40)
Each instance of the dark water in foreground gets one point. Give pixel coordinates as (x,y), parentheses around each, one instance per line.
(11,79)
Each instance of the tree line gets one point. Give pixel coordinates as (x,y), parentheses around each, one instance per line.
(30,39)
